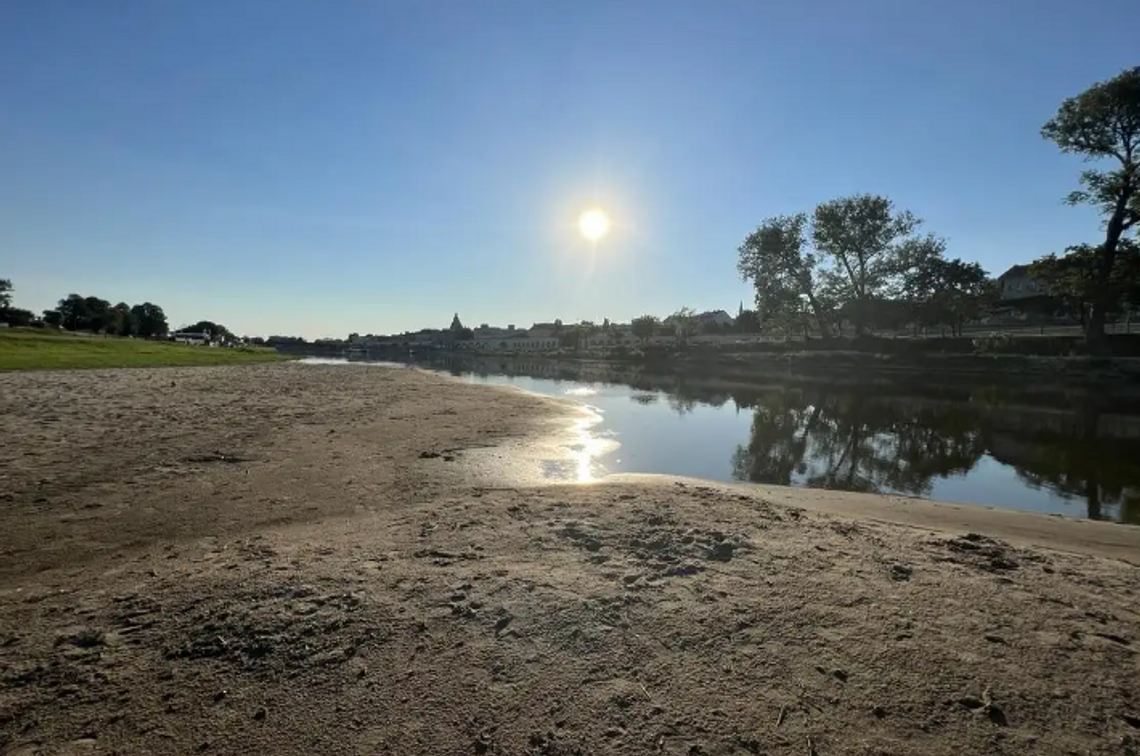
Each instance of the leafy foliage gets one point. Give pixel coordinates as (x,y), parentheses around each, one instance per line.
(747,322)
(645,327)
(16,317)
(119,320)
(1073,278)
(863,256)
(684,322)
(946,292)
(866,242)
(1103,124)
(785,274)
(216,330)
(81,313)
(5,293)
(149,320)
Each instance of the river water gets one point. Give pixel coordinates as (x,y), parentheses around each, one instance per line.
(1074,455)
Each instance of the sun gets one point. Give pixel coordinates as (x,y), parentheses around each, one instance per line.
(593,224)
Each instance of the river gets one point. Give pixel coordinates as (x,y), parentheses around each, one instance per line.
(1076,455)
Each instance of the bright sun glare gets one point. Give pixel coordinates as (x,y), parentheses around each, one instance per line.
(593,224)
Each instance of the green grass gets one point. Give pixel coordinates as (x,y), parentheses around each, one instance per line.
(43,349)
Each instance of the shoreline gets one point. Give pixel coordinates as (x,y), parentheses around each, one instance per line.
(303,559)
(1072,535)
(1059,372)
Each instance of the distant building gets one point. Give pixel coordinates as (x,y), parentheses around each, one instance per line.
(718,318)
(1016,284)
(710,320)
(487,338)
(187,337)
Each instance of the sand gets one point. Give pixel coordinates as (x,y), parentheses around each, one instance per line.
(291,559)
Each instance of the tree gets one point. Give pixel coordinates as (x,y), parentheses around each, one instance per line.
(1103,124)
(569,337)
(867,243)
(149,319)
(644,327)
(586,329)
(967,292)
(747,322)
(13,316)
(16,317)
(119,320)
(216,330)
(1073,278)
(784,274)
(684,323)
(860,248)
(53,318)
(944,292)
(98,314)
(73,311)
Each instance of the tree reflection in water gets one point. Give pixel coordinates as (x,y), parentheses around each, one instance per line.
(863,440)
(898,437)
(856,443)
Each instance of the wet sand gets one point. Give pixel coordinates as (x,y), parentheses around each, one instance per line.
(356,560)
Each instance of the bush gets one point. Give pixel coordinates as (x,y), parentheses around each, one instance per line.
(994,343)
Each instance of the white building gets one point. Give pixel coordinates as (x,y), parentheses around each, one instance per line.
(510,339)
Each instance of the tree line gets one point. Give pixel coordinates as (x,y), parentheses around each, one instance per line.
(79,313)
(682,324)
(860,260)
(76,312)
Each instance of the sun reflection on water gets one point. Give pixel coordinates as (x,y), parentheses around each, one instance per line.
(587,447)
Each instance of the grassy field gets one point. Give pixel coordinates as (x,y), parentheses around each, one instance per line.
(41,349)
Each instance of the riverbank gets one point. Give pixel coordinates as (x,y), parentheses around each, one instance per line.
(1047,375)
(44,349)
(310,559)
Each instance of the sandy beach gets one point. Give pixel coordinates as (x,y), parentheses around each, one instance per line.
(298,559)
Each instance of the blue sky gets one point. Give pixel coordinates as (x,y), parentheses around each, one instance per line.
(315,168)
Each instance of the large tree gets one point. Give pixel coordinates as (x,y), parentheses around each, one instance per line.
(1102,124)
(73,312)
(149,320)
(859,248)
(785,274)
(99,317)
(81,313)
(867,243)
(5,293)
